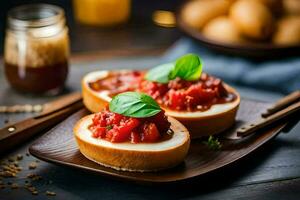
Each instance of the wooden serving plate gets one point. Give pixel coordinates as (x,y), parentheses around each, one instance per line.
(253,50)
(59,146)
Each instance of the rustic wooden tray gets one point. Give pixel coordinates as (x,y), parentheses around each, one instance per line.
(59,146)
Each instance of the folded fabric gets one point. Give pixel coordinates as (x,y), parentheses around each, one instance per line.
(277,75)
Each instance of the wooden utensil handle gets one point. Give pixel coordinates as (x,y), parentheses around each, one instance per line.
(13,135)
(252,127)
(284,102)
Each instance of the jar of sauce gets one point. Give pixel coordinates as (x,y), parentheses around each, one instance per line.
(36,49)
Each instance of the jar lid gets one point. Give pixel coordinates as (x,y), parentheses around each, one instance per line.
(34,16)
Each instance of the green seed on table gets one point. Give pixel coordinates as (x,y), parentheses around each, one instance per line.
(30,175)
(37,108)
(28,185)
(36,178)
(49,193)
(32,165)
(6,167)
(14,186)
(31,188)
(8,174)
(11,159)
(19,157)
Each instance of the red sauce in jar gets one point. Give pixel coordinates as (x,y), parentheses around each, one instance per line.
(37,79)
(117,128)
(177,94)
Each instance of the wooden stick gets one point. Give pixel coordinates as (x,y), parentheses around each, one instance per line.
(282,103)
(263,122)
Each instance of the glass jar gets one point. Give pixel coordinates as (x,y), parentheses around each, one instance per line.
(102,12)
(36,48)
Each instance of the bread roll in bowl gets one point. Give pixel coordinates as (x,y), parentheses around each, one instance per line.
(253,19)
(222,29)
(197,13)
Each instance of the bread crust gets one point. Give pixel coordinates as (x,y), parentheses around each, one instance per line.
(199,123)
(130,159)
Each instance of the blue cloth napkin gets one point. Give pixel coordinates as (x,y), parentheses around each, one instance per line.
(278,75)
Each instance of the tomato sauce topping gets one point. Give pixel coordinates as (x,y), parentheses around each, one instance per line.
(117,128)
(177,94)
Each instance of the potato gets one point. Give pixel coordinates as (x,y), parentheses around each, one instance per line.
(275,6)
(291,7)
(288,31)
(222,29)
(253,19)
(197,13)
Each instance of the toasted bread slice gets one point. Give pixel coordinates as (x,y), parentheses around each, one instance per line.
(141,157)
(200,123)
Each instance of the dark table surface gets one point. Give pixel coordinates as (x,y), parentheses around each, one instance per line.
(272,172)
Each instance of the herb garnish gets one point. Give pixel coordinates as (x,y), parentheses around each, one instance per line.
(109,127)
(213,143)
(134,104)
(187,67)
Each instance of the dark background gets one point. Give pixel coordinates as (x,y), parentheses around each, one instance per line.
(139,25)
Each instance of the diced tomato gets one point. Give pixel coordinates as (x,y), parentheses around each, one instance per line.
(117,118)
(96,119)
(129,125)
(99,132)
(118,136)
(161,121)
(207,95)
(119,128)
(135,137)
(150,133)
(176,99)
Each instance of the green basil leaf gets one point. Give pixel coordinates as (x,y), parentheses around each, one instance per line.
(134,104)
(160,73)
(187,67)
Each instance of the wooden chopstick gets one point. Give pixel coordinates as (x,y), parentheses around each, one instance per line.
(282,103)
(272,118)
